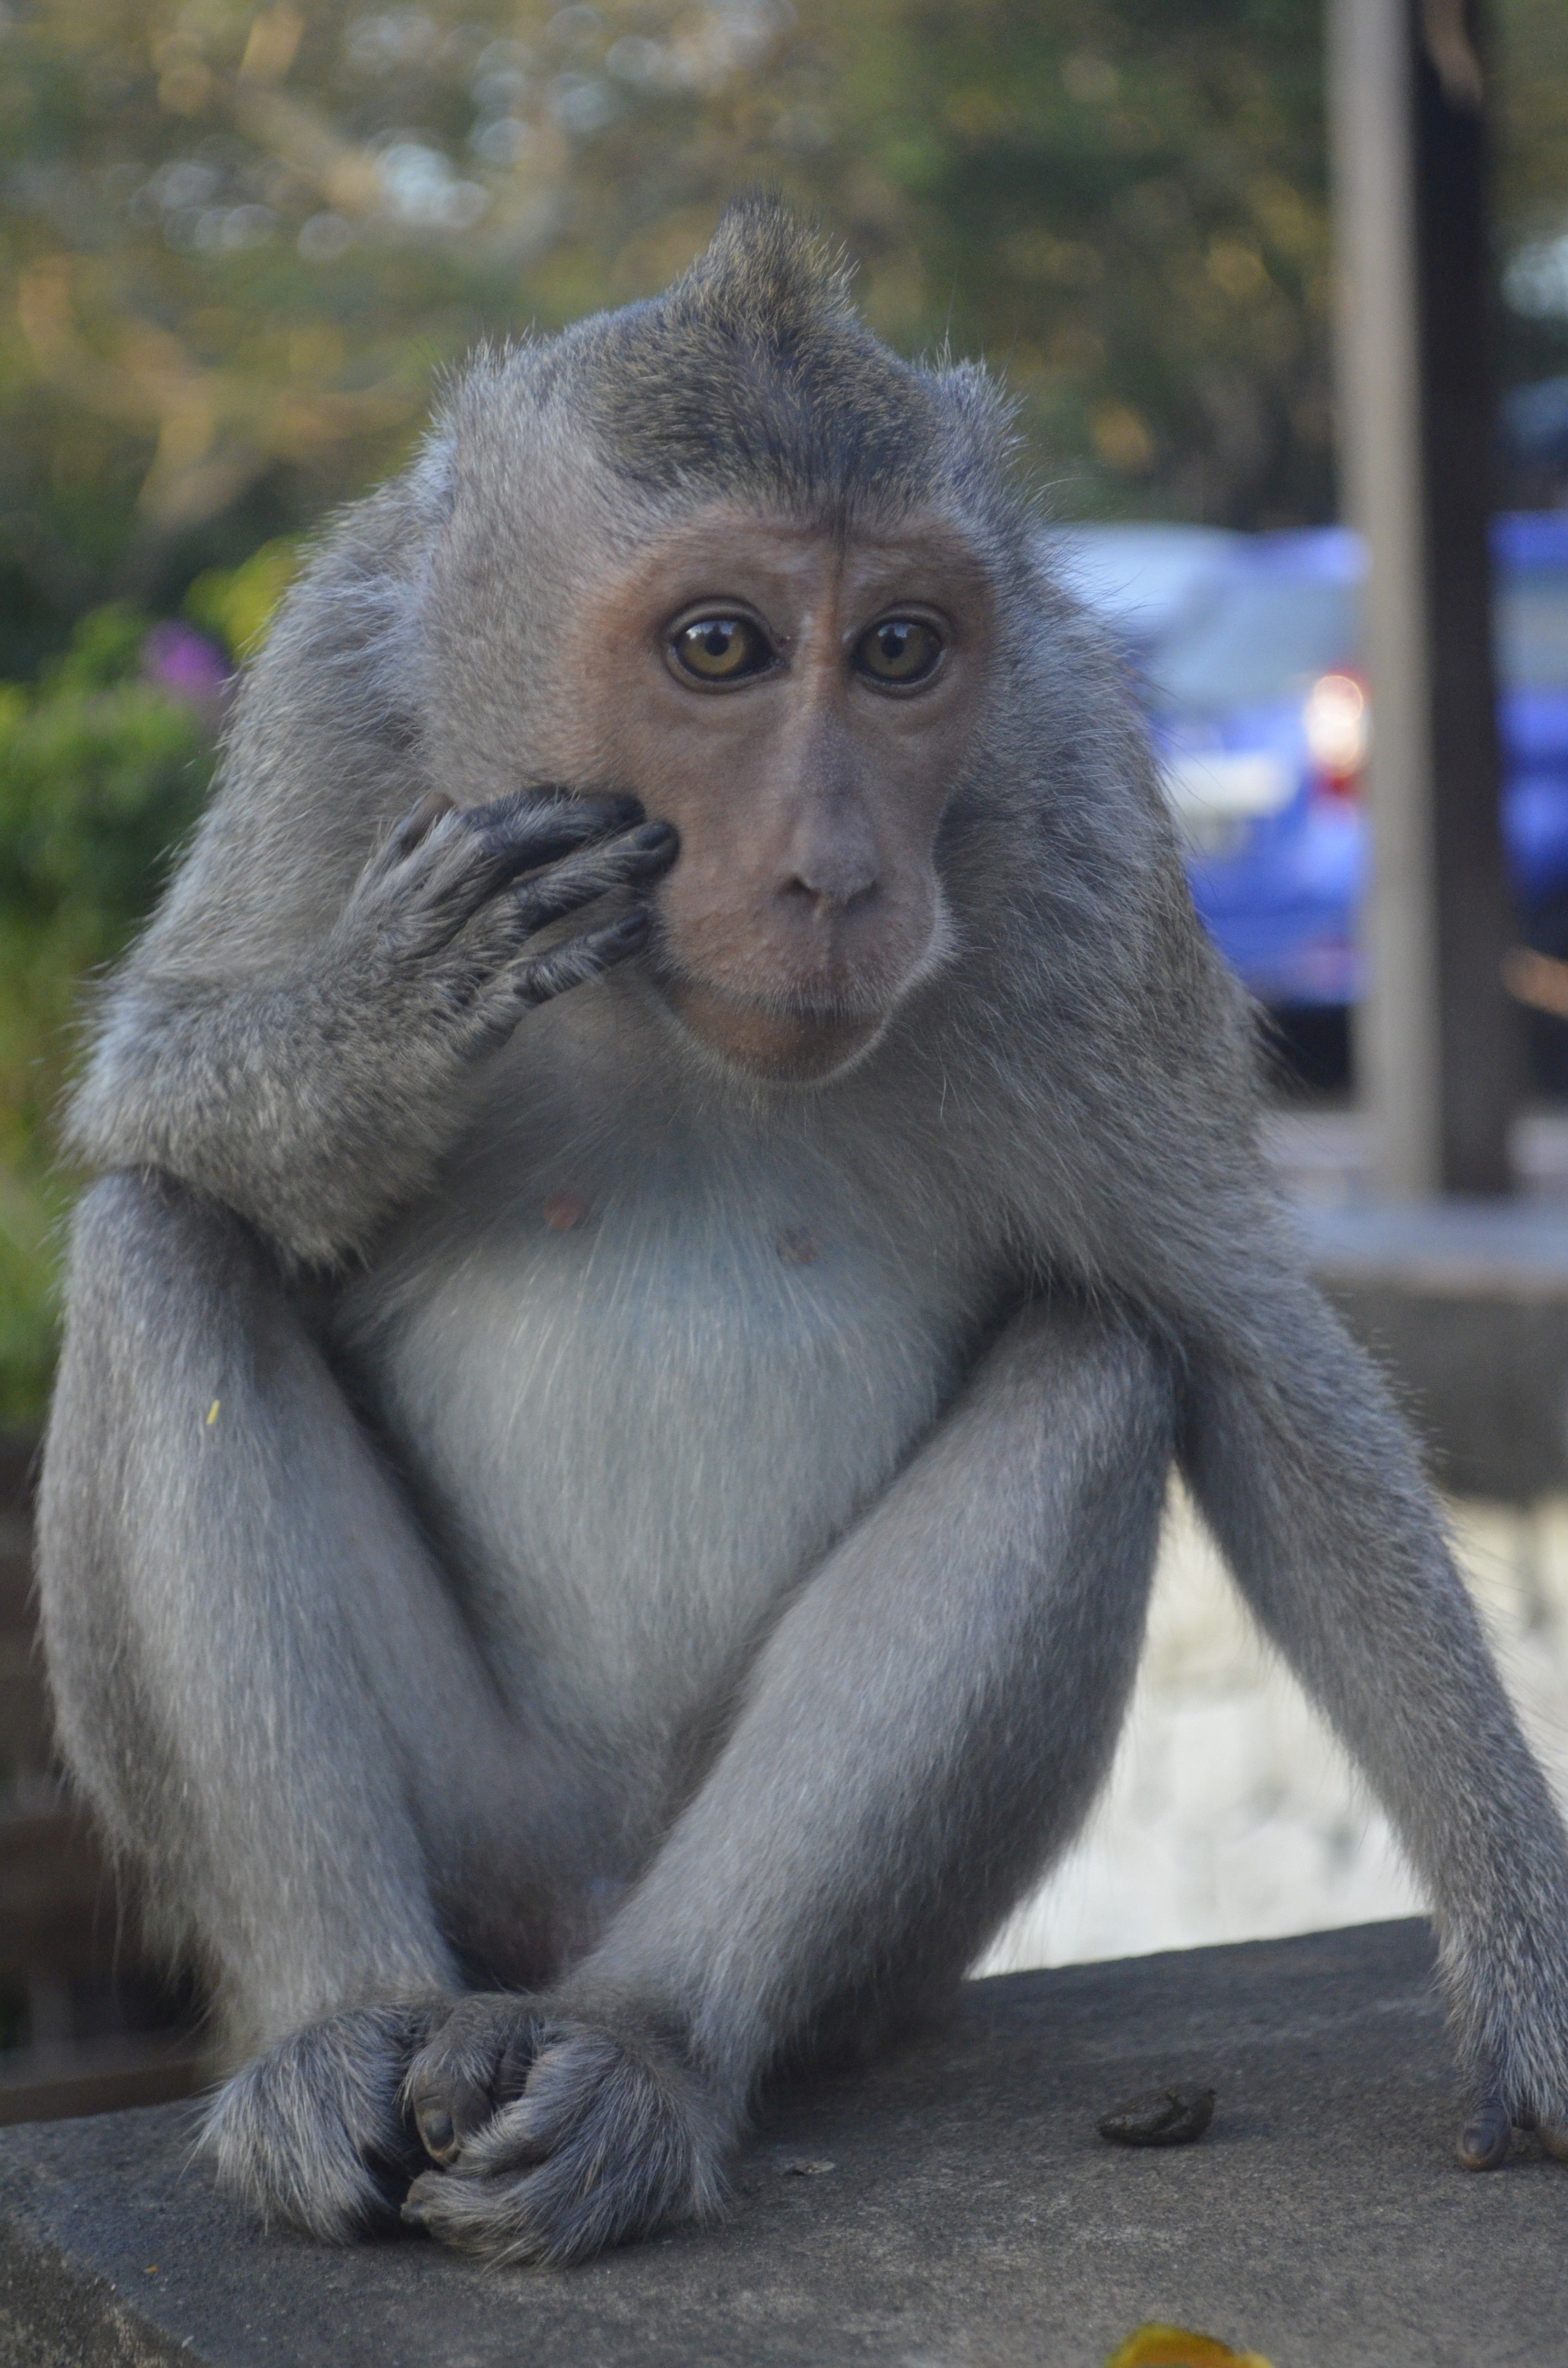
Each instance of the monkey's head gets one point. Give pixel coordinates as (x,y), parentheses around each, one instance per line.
(726,551)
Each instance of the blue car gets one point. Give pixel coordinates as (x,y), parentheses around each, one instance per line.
(1263,722)
(1249,647)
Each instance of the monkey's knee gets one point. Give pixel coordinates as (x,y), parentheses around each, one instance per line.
(161,1293)
(151,1263)
(1102,1350)
(167,1307)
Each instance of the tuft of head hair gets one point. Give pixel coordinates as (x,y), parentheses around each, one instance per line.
(754,373)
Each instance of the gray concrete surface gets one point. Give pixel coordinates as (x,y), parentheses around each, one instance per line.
(952,2208)
(1465,1303)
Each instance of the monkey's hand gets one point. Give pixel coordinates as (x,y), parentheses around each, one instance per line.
(443,913)
(560,2134)
(314,2132)
(317,1102)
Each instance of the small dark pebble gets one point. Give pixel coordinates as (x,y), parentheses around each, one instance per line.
(1163,2117)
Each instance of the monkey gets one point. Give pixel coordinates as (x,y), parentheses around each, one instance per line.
(671,1180)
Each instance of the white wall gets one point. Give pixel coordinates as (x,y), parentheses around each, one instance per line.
(1230,1814)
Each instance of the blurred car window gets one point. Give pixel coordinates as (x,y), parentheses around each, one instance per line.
(1257,642)
(1146,580)
(1533,630)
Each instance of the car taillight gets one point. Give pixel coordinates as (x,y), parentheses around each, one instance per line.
(1337,722)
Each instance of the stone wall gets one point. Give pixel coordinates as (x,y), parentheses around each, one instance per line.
(1232,1814)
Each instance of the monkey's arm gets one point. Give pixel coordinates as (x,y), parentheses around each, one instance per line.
(1309,1482)
(316,1094)
(930,1720)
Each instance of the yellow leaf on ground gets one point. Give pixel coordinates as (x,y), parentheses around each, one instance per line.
(1178,2347)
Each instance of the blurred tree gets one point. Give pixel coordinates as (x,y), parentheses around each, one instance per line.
(237,242)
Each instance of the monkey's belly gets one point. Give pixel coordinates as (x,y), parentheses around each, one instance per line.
(641,1418)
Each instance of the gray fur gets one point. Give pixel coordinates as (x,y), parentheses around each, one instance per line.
(693,1648)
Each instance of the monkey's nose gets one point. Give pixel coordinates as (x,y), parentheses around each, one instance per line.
(833,888)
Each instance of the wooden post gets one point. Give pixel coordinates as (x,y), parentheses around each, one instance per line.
(1437,1044)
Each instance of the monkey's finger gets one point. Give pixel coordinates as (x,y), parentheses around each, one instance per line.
(539,977)
(1554,2136)
(582,879)
(488,848)
(421,819)
(536,826)
(1487,2136)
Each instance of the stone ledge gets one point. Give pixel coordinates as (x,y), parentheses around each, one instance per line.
(971,2217)
(1465,1304)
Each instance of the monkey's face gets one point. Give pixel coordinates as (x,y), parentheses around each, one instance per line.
(800,706)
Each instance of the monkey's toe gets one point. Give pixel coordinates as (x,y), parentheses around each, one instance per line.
(414,2212)
(476,2057)
(438,2131)
(607,2142)
(1487,2137)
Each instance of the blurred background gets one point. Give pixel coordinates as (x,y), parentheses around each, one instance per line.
(238,248)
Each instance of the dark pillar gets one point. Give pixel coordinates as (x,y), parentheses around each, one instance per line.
(1437,1045)
(1479,1038)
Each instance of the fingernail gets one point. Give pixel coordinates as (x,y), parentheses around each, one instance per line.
(655,834)
(436,2130)
(629,928)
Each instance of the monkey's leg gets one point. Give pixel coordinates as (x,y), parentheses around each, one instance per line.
(928,1724)
(261,1684)
(1310,1484)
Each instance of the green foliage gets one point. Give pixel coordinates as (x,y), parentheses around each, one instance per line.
(237,604)
(100,775)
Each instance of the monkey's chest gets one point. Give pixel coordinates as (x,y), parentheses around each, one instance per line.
(642,1407)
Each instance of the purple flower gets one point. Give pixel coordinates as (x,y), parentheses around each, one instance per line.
(185,664)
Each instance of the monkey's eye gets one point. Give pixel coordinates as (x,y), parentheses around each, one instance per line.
(720,650)
(899,652)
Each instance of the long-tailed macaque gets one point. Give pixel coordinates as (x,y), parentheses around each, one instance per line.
(676,1169)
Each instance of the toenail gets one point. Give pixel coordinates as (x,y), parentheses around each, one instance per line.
(1487,2138)
(436,2130)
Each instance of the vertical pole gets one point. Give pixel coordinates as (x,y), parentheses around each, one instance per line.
(1482,1041)
(1436,1045)
(1372,161)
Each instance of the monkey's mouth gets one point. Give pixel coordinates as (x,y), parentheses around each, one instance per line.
(790,1042)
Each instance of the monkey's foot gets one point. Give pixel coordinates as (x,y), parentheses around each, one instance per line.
(1487,2138)
(477,2057)
(614,2135)
(314,2132)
